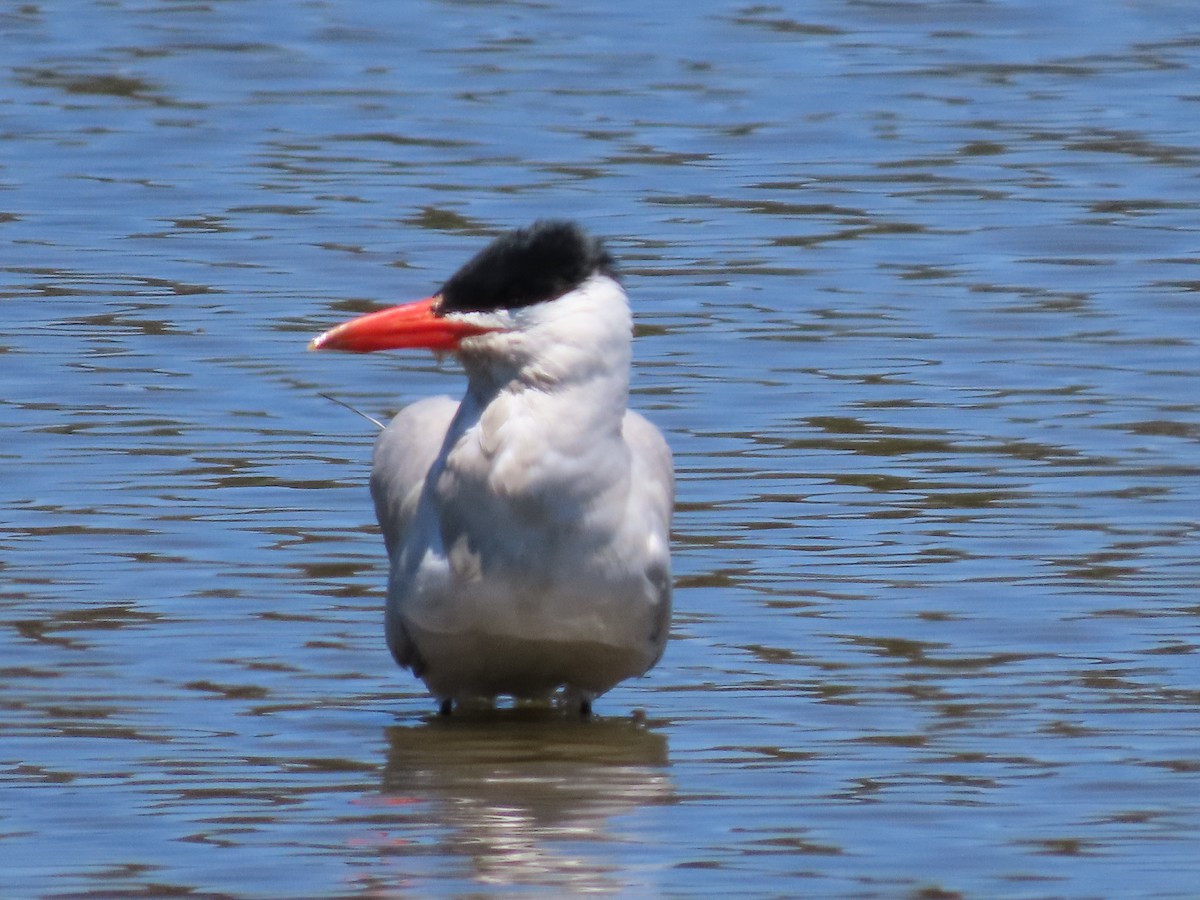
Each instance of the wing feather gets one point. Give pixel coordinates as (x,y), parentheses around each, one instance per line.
(652,477)
(404,452)
(653,470)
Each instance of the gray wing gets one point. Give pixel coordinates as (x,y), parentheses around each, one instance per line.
(653,482)
(404,451)
(653,470)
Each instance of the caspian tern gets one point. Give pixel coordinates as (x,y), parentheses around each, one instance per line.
(527,525)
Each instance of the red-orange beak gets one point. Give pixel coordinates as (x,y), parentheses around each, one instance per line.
(410,325)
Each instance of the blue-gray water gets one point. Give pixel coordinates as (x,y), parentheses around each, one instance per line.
(916,286)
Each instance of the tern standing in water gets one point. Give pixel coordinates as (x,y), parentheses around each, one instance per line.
(528,524)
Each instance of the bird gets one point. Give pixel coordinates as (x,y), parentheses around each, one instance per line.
(527,525)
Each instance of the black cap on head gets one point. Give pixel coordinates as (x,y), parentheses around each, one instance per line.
(526,266)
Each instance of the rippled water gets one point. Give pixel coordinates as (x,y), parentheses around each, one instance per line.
(916,287)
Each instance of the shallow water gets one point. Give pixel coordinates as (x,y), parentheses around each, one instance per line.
(916,296)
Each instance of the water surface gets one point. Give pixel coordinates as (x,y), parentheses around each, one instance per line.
(915,287)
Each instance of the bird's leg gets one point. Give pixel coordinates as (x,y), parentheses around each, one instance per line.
(574,698)
(446,707)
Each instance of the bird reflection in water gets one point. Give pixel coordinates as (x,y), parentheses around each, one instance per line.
(522,794)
